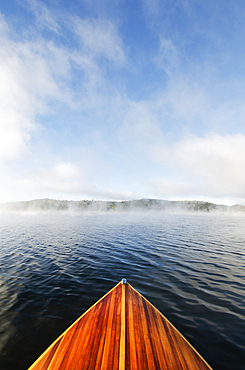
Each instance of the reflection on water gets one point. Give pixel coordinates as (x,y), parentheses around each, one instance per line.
(54,267)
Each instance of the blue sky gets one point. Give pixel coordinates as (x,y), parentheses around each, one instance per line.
(120,100)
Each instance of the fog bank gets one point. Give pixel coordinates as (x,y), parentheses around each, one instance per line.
(141,205)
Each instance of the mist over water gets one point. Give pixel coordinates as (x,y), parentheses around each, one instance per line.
(55,266)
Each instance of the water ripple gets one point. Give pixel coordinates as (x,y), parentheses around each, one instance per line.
(191,267)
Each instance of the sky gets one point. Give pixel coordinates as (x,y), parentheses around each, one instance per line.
(122,99)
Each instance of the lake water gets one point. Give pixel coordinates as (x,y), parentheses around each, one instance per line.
(55,266)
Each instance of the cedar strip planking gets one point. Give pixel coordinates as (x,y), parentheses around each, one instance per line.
(139,344)
(174,342)
(153,336)
(161,352)
(45,358)
(51,354)
(146,334)
(94,339)
(113,361)
(63,350)
(139,335)
(108,332)
(162,341)
(82,341)
(131,357)
(167,351)
(87,346)
(173,347)
(98,364)
(186,354)
(103,326)
(71,358)
(68,343)
(121,331)
(115,353)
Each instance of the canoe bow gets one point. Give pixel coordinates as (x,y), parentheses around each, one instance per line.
(121,331)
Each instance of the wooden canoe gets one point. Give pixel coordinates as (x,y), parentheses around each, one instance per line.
(121,331)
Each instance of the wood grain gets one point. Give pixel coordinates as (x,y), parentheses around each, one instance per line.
(121,331)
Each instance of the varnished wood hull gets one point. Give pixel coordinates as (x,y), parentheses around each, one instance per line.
(121,331)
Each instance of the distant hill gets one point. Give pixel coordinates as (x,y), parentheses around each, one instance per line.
(44,205)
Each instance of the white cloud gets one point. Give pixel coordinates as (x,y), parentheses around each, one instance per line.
(172,188)
(44,17)
(151,6)
(15,106)
(110,194)
(99,38)
(212,166)
(66,171)
(63,180)
(60,178)
(30,74)
(185,100)
(36,73)
(167,57)
(140,129)
(219,160)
